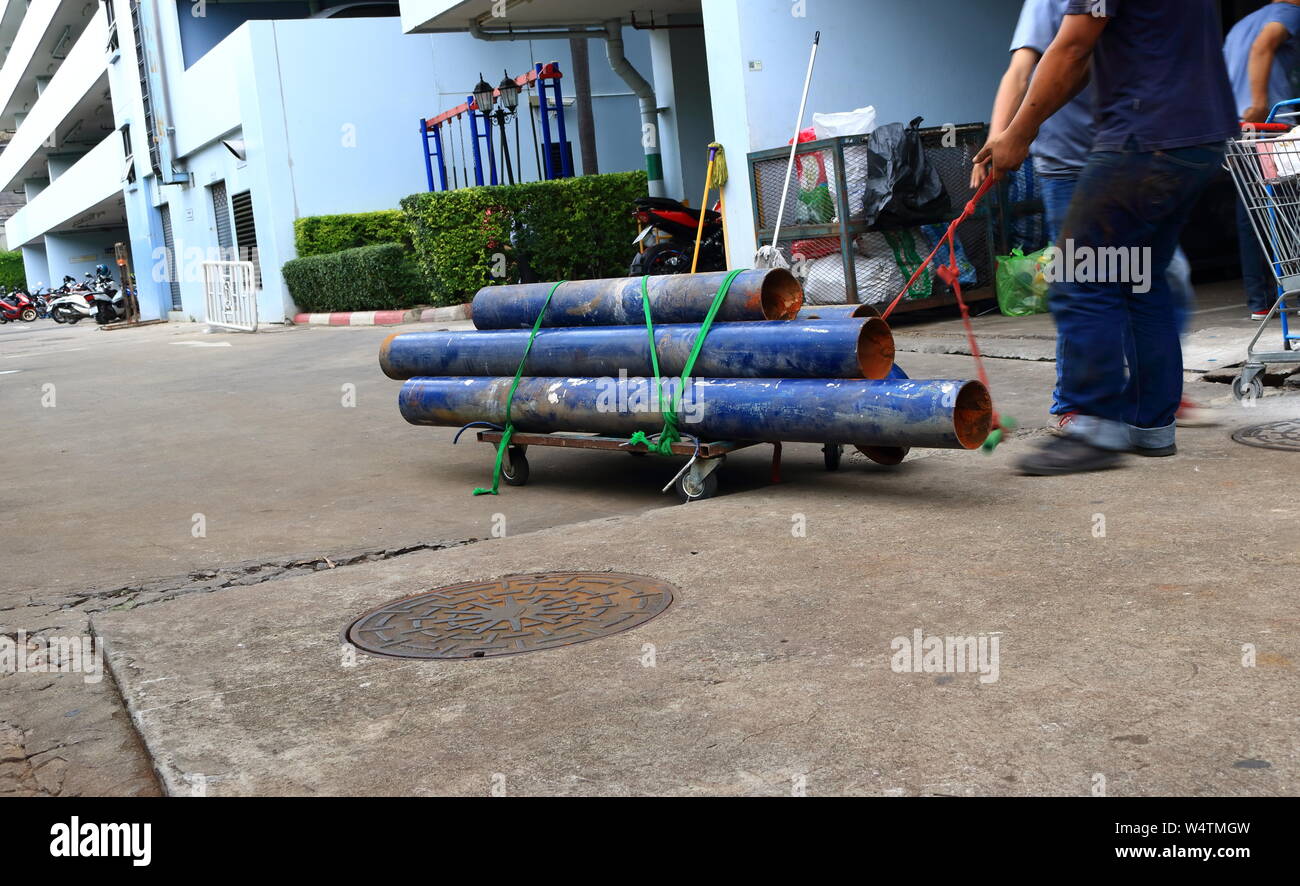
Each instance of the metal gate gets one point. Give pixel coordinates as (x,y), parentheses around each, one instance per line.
(231,294)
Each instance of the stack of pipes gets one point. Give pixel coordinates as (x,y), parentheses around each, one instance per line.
(768,370)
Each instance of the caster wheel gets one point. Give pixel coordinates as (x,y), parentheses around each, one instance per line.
(514,469)
(832,453)
(1288,345)
(688,490)
(1250,391)
(639,453)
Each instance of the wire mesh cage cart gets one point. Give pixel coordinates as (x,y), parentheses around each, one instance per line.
(838,257)
(1265,164)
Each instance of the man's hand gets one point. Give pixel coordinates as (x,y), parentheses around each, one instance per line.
(978,173)
(1256,114)
(1005,152)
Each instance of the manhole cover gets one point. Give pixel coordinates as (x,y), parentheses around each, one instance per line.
(518,613)
(1274,435)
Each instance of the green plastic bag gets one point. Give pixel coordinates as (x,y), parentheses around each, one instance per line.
(1022,282)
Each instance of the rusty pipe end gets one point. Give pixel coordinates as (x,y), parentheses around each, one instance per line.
(865,311)
(875,348)
(782,295)
(384,363)
(972,417)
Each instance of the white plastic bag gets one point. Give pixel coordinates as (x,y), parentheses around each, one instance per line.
(859,122)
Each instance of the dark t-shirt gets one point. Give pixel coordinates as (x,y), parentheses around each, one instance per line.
(1160,74)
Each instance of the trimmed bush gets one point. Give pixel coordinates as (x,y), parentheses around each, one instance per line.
(323,234)
(568,229)
(12,273)
(368,278)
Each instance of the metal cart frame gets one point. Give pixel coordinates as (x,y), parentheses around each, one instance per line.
(1265,167)
(697,480)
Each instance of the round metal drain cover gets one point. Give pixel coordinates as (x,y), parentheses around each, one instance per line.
(1274,435)
(518,613)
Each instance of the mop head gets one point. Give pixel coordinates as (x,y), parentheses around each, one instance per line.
(770,257)
(719,177)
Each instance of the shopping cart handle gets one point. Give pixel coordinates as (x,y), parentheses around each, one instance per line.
(1289,103)
(1265,127)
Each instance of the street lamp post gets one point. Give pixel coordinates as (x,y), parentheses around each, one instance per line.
(508,103)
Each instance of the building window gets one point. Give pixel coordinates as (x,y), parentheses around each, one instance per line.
(221,216)
(246,232)
(112,25)
(128,169)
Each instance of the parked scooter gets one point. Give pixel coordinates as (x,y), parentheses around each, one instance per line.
(74,305)
(16,305)
(663,216)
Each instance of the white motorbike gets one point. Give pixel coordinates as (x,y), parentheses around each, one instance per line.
(73,306)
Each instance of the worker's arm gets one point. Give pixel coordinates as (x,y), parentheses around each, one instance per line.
(1011,92)
(1062,73)
(1259,68)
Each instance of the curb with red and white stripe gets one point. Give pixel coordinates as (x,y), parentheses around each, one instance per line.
(385,318)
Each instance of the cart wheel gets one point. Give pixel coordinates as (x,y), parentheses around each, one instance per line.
(514,469)
(831,455)
(638,452)
(1288,344)
(688,490)
(1252,390)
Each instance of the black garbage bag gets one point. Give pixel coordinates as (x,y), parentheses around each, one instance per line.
(903,189)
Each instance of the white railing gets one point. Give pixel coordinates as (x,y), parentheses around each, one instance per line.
(231,294)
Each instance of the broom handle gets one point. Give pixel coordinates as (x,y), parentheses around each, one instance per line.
(794,144)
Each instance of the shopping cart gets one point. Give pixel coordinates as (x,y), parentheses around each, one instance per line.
(1265,164)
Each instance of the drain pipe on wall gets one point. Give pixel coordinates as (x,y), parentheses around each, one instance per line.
(645,93)
(612,32)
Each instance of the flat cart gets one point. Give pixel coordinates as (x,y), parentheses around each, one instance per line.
(1265,165)
(698,479)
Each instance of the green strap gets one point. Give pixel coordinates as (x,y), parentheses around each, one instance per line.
(514,385)
(670,434)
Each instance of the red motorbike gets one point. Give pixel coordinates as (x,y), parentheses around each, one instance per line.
(17,305)
(667,238)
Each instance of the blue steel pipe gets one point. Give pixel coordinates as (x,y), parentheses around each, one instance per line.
(892,412)
(765,294)
(836,312)
(795,349)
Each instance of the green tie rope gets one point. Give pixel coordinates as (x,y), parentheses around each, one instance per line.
(510,427)
(670,434)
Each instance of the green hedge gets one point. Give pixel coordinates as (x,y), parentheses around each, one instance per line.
(323,234)
(369,278)
(569,229)
(12,273)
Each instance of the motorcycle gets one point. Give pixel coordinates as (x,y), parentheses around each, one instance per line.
(16,305)
(670,229)
(72,306)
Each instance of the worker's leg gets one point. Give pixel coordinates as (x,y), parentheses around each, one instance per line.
(1130,201)
(1261,289)
(1057,193)
(1173,182)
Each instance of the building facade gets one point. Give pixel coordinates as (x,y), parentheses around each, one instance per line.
(194,130)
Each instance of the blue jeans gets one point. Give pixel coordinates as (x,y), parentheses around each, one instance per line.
(1261,287)
(1057,192)
(1137,201)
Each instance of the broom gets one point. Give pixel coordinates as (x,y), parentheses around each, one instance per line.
(770,256)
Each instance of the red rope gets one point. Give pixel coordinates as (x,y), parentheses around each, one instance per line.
(951,274)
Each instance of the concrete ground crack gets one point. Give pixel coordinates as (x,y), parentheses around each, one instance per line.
(215,579)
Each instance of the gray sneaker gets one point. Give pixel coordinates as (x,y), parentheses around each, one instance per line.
(1067,455)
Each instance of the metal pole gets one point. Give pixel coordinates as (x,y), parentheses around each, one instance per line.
(505,146)
(428,163)
(566,160)
(765,294)
(532,122)
(543,109)
(936,414)
(849,348)
(473,131)
(442,163)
